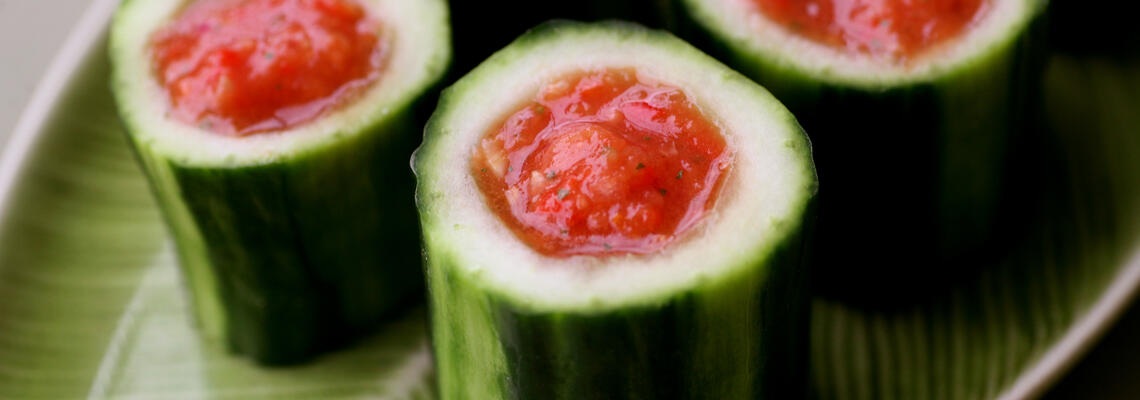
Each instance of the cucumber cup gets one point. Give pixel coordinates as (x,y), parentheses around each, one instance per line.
(714,310)
(914,121)
(295,238)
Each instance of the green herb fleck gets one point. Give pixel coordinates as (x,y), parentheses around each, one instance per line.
(540,109)
(269,55)
(552,174)
(607,246)
(510,169)
(562,193)
(565,232)
(663,191)
(484,169)
(640,165)
(680,173)
(647,138)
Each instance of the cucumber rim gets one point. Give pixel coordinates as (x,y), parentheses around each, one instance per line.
(755,39)
(421,51)
(463,236)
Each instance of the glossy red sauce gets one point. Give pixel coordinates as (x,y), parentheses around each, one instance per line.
(894,28)
(602,162)
(237,67)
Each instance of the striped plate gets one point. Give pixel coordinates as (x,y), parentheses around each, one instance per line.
(90,304)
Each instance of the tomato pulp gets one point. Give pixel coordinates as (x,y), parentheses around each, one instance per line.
(602,162)
(894,28)
(244,66)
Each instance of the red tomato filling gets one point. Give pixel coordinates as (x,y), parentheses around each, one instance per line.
(894,28)
(244,66)
(602,163)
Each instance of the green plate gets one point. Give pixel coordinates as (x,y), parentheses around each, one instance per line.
(91,306)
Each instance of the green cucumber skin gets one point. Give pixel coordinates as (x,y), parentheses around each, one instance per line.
(730,337)
(288,259)
(912,175)
(955,195)
(743,339)
(297,250)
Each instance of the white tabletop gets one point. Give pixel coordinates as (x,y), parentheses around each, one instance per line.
(31,32)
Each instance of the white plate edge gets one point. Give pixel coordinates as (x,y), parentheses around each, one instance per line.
(47,95)
(1081,336)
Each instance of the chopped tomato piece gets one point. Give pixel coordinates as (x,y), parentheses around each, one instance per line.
(600,163)
(895,28)
(244,66)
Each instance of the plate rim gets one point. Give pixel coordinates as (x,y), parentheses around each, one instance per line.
(79,44)
(1081,336)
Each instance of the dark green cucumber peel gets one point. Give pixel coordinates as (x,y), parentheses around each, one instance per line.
(309,258)
(306,254)
(746,340)
(677,349)
(915,174)
(741,337)
(291,257)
